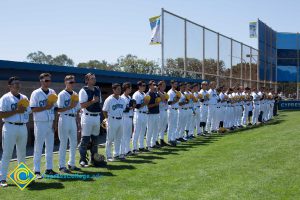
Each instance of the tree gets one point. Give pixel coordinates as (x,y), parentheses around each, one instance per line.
(41,58)
(96,64)
(133,64)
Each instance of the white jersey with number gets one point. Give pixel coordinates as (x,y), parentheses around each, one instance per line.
(139,98)
(64,100)
(127,99)
(83,98)
(114,107)
(39,98)
(213,97)
(172,95)
(9,102)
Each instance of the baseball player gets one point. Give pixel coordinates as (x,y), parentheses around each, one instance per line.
(163,115)
(43,117)
(189,128)
(256,100)
(14,130)
(68,108)
(172,113)
(203,107)
(127,119)
(195,90)
(153,116)
(182,114)
(90,101)
(113,109)
(140,118)
(212,107)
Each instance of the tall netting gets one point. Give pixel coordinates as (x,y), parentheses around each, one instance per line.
(193,51)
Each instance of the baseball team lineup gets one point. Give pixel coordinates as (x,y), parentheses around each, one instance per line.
(134,124)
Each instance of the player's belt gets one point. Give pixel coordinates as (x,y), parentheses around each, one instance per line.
(93,115)
(175,108)
(166,109)
(218,107)
(71,115)
(143,112)
(18,124)
(117,118)
(198,106)
(184,108)
(190,107)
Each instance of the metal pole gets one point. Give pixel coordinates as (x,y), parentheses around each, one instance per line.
(258,57)
(185,49)
(203,61)
(218,60)
(230,80)
(297,66)
(162,42)
(242,65)
(250,76)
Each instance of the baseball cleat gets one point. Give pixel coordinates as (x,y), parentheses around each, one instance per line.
(74,168)
(38,175)
(50,172)
(3,183)
(109,159)
(64,170)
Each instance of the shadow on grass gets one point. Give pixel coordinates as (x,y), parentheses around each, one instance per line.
(120,167)
(138,161)
(45,185)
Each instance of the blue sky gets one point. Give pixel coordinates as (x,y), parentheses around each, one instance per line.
(96,29)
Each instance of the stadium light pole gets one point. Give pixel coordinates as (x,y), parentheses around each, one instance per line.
(162,42)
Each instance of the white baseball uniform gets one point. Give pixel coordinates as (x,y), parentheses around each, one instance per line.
(182,116)
(212,108)
(255,112)
(163,118)
(114,108)
(43,128)
(90,117)
(190,121)
(172,116)
(127,125)
(67,127)
(203,109)
(12,133)
(152,123)
(140,119)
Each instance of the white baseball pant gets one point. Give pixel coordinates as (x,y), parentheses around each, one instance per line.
(127,131)
(67,130)
(172,124)
(140,125)
(43,133)
(162,123)
(181,123)
(114,135)
(90,125)
(12,135)
(152,129)
(211,118)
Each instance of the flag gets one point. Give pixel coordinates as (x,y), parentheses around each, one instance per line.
(253,29)
(155,28)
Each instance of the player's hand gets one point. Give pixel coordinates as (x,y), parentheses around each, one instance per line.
(95,99)
(20,109)
(48,106)
(73,104)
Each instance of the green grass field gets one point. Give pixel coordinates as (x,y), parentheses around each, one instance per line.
(257,163)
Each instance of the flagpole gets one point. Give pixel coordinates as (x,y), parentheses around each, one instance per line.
(162,42)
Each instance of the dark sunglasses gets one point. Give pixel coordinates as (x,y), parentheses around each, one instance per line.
(144,85)
(71,82)
(47,81)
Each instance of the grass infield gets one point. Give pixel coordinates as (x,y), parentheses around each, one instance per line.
(255,163)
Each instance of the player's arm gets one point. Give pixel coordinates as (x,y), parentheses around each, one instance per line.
(6,114)
(105,114)
(11,113)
